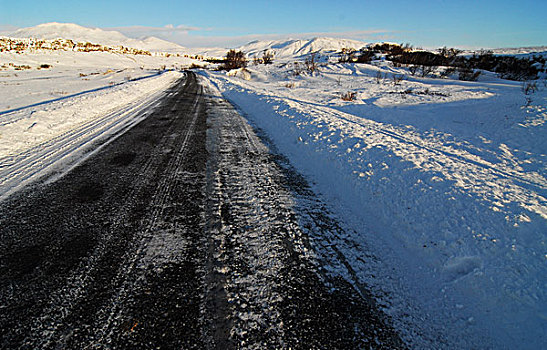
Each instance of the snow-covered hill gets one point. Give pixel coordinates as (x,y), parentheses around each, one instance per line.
(50,31)
(520,50)
(211,52)
(296,48)
(53,60)
(284,49)
(293,48)
(154,44)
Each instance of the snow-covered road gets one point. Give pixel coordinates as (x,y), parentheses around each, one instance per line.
(183,231)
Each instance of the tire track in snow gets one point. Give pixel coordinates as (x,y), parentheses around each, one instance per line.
(87,287)
(142,246)
(144,256)
(84,123)
(64,300)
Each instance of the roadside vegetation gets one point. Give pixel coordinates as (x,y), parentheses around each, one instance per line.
(468,67)
(233,60)
(444,63)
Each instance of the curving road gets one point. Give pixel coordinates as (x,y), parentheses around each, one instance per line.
(185,232)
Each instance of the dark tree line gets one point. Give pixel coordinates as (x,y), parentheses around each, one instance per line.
(507,67)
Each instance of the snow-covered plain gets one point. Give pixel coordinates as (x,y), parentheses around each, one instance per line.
(38,139)
(71,73)
(443,181)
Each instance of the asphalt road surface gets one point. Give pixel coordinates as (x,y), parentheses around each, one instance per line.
(185,232)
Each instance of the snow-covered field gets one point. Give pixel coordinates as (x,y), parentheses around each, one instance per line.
(443,181)
(71,73)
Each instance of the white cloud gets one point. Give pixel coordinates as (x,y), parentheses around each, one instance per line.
(139,31)
(6,29)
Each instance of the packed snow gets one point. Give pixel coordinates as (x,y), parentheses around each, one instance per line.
(39,124)
(443,181)
(39,139)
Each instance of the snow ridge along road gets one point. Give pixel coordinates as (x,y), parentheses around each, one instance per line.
(182,232)
(64,130)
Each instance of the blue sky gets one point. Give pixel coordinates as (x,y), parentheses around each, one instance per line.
(434,23)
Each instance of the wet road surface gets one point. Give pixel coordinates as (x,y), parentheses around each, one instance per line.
(183,233)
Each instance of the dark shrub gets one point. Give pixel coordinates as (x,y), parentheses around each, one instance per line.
(311,62)
(422,58)
(365,56)
(391,49)
(468,74)
(347,55)
(234,60)
(267,57)
(348,96)
(507,67)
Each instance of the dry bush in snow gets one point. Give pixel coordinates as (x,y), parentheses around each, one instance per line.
(311,63)
(348,96)
(234,60)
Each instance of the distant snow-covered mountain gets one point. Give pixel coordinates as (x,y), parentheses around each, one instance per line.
(297,48)
(282,49)
(520,50)
(152,43)
(211,52)
(285,49)
(50,31)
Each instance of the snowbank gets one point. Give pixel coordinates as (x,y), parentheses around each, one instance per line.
(29,127)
